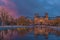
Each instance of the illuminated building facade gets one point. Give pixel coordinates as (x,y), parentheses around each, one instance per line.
(45,19)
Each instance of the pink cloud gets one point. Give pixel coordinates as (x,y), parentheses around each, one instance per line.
(9,6)
(8,2)
(11,12)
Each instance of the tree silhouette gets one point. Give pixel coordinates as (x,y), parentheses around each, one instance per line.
(3,16)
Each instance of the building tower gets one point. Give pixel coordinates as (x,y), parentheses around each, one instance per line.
(36,15)
(36,18)
(46,16)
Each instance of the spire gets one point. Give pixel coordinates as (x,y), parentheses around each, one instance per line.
(46,16)
(46,13)
(37,15)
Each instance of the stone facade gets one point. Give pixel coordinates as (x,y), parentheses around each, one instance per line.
(46,20)
(41,20)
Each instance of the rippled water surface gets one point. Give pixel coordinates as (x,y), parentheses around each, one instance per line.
(28,35)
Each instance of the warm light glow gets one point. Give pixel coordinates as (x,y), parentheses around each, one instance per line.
(41,20)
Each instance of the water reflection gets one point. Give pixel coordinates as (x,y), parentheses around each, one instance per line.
(36,33)
(1,37)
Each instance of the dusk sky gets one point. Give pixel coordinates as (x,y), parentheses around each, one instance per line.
(29,7)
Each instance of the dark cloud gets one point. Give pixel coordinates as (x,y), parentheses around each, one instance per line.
(29,7)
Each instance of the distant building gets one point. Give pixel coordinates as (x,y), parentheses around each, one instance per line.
(45,19)
(40,20)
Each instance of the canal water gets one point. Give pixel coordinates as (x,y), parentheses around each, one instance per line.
(30,36)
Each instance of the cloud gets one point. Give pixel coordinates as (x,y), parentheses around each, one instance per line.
(9,6)
(53,2)
(8,3)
